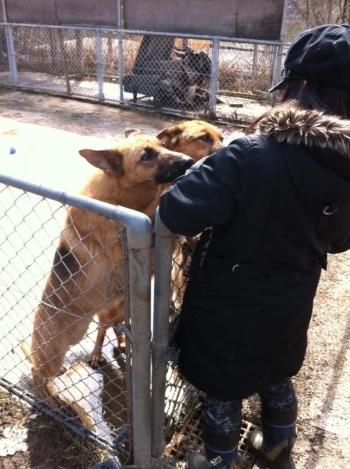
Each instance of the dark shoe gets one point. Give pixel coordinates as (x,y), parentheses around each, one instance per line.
(275,442)
(278,458)
(198,461)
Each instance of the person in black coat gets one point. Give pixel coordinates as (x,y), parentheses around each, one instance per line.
(269,207)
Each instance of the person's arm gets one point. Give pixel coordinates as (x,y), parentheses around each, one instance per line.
(207,194)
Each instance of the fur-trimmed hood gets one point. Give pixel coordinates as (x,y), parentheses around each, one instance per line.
(297,126)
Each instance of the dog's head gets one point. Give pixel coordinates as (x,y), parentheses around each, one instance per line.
(196,138)
(139,159)
(196,63)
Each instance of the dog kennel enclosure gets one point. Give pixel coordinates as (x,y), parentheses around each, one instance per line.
(155,58)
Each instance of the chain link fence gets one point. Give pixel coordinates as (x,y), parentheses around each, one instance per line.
(189,76)
(108,404)
(113,405)
(177,405)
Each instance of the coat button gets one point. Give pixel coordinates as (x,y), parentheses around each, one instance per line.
(235,267)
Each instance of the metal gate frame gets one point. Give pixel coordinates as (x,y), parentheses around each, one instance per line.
(139,239)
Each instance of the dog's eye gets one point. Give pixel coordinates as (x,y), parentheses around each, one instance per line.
(206,138)
(148,154)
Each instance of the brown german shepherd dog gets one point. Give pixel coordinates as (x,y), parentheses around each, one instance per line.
(196,139)
(87,272)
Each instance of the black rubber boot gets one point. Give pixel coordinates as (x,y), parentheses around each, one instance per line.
(220,451)
(275,442)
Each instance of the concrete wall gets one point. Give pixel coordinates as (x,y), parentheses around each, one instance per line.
(65,12)
(253,19)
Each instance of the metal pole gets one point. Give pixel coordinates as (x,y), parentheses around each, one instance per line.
(255,57)
(160,341)
(140,314)
(11,54)
(120,51)
(330,11)
(4,10)
(213,77)
(278,63)
(99,65)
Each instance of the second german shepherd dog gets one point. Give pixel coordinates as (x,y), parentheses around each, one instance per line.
(87,272)
(197,139)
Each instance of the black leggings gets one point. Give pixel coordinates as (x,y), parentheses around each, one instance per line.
(224,417)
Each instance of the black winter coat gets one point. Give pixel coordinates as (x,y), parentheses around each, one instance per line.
(270,207)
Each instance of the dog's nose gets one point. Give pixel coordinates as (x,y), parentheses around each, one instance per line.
(187,163)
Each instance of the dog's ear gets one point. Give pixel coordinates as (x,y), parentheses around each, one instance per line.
(168,135)
(129,132)
(107,160)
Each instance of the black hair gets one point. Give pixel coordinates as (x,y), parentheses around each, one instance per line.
(310,95)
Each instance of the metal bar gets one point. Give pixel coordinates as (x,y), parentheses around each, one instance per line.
(64,61)
(11,54)
(4,10)
(330,11)
(278,63)
(153,33)
(120,50)
(213,77)
(255,60)
(140,315)
(120,66)
(99,65)
(160,341)
(136,223)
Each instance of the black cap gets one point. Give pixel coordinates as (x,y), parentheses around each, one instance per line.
(320,55)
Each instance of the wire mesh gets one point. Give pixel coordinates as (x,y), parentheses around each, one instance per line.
(96,399)
(186,75)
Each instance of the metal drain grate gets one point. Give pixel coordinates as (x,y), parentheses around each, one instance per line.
(189,438)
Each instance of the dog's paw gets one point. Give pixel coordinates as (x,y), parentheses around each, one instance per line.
(94,361)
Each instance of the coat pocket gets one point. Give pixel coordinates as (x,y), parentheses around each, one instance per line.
(217,271)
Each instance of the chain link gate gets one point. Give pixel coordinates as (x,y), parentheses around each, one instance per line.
(177,406)
(108,405)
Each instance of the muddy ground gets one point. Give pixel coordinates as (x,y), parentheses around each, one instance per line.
(39,139)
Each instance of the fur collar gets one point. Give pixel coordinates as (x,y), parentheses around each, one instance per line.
(297,126)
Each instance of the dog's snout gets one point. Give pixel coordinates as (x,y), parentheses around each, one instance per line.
(187,163)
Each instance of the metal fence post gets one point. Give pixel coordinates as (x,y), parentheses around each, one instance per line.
(99,65)
(213,77)
(277,62)
(11,54)
(162,282)
(120,52)
(139,245)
